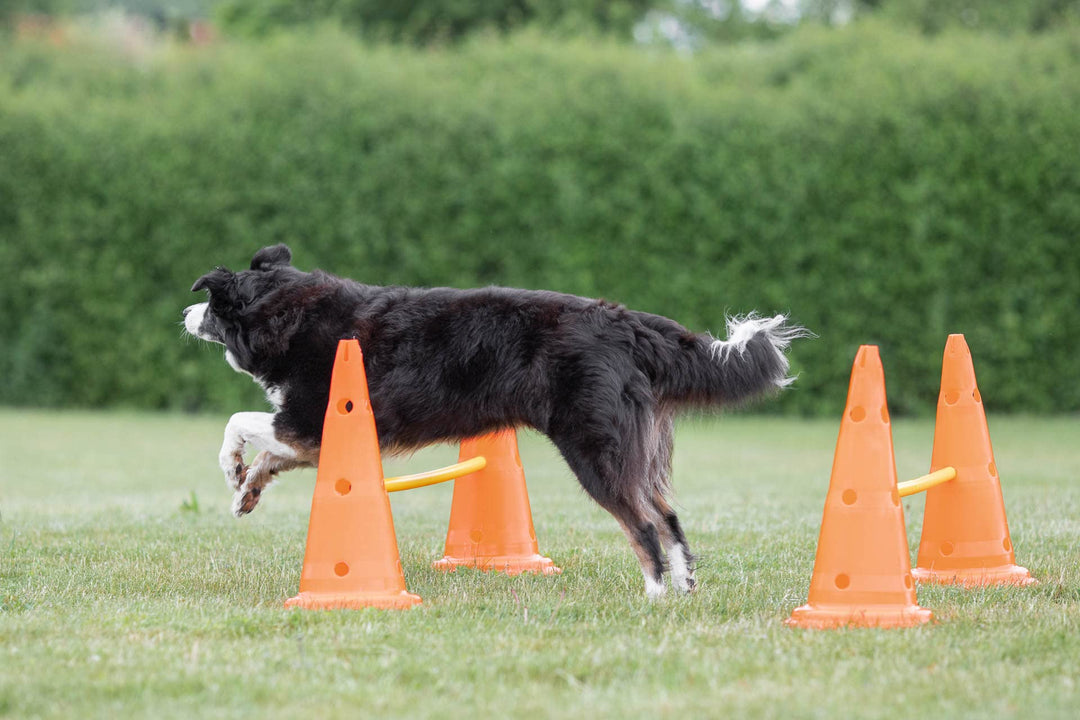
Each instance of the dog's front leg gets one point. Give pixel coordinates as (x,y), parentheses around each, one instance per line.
(257,429)
(263,470)
(231,457)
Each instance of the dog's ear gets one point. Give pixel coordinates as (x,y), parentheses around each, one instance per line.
(273,337)
(224,294)
(215,281)
(271,257)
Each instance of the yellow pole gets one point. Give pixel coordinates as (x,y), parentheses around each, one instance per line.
(408,482)
(926,482)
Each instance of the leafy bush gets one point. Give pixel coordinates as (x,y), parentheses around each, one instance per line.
(882,187)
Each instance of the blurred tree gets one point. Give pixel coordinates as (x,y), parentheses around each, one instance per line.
(157,9)
(731,20)
(11,8)
(934,16)
(689,24)
(683,23)
(427,21)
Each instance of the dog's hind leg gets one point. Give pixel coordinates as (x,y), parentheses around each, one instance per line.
(619,486)
(680,559)
(644,537)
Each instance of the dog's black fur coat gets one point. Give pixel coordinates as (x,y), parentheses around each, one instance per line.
(601,381)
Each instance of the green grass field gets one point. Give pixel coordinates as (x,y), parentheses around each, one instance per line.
(127,590)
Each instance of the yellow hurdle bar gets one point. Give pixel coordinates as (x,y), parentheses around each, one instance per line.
(926,482)
(408,482)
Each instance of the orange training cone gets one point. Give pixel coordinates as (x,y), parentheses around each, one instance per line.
(491,525)
(965,537)
(862,573)
(352,557)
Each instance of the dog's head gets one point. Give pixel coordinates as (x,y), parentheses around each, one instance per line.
(245,312)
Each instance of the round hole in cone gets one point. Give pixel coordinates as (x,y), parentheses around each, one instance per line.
(946,548)
(858,413)
(842,581)
(342,487)
(849,497)
(341,569)
(345,406)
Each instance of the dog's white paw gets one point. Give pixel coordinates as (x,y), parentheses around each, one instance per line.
(654,590)
(682,571)
(232,464)
(685,585)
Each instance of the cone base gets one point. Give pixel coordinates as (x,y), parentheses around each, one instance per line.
(828,617)
(402,600)
(976,577)
(509,564)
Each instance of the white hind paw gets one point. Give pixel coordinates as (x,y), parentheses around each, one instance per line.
(655,589)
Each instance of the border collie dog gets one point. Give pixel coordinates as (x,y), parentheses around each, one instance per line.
(601,381)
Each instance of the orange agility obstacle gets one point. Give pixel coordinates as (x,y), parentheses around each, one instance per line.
(352,557)
(352,560)
(491,525)
(431,477)
(862,572)
(965,536)
(921,484)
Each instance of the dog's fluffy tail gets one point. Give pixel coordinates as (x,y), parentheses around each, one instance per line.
(751,362)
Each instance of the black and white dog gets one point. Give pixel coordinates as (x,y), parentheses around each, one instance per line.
(602,382)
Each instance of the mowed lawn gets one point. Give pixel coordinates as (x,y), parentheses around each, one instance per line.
(128,590)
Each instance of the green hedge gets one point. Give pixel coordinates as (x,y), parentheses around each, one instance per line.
(881,187)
